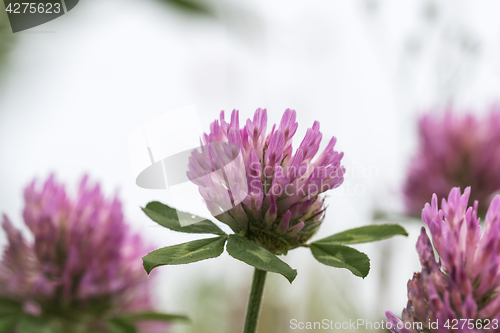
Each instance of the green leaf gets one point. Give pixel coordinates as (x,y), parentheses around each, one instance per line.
(342,257)
(184,253)
(11,313)
(153,316)
(8,323)
(119,325)
(125,323)
(167,216)
(255,255)
(30,324)
(366,234)
(8,307)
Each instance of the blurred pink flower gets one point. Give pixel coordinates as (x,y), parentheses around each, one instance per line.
(454,151)
(464,283)
(83,258)
(274,193)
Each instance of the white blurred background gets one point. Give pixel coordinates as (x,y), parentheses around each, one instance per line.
(72,90)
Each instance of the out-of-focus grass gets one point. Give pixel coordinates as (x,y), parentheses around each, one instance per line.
(214,307)
(324,298)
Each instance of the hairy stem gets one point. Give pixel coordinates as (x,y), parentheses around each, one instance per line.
(253,309)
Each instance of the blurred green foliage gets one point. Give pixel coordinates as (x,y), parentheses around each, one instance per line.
(6,36)
(196,7)
(213,307)
(217,307)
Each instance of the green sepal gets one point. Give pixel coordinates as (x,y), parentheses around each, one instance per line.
(255,255)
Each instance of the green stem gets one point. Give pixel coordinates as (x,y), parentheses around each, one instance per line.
(253,309)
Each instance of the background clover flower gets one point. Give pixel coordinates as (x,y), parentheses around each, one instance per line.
(455,150)
(84,264)
(274,193)
(464,283)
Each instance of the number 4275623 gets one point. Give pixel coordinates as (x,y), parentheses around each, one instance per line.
(40,8)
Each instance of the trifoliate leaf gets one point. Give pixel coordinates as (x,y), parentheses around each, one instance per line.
(167,216)
(255,255)
(342,257)
(366,234)
(184,253)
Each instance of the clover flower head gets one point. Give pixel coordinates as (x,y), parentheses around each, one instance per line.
(256,183)
(465,282)
(83,258)
(455,150)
